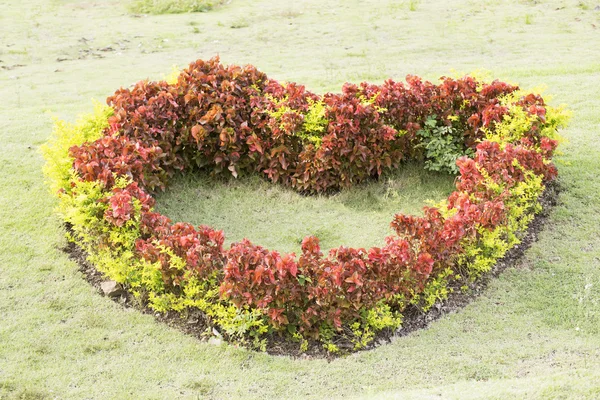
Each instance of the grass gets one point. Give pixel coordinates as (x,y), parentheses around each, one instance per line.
(534,333)
(279,218)
(158,7)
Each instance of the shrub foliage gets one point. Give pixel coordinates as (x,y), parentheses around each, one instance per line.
(231,120)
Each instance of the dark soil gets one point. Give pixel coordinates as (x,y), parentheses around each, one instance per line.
(196,324)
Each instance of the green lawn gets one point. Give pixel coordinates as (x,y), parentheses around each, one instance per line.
(534,333)
(279,218)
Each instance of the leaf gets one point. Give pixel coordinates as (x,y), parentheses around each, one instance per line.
(223,137)
(293,269)
(233,171)
(292,328)
(198,132)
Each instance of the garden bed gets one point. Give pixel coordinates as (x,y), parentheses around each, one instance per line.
(232,121)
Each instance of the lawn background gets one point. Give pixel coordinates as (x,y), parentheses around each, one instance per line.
(534,333)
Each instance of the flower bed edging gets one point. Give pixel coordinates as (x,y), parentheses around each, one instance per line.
(234,120)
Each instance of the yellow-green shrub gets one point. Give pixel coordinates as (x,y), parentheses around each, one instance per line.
(59,164)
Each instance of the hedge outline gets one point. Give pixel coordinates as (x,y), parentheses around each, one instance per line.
(248,291)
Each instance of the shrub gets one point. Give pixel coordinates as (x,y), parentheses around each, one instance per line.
(58,167)
(443,146)
(230,120)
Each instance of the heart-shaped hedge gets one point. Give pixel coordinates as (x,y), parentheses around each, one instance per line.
(230,120)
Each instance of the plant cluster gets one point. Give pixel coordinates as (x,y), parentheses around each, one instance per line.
(231,120)
(158,7)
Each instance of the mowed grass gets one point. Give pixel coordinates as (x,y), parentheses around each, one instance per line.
(279,218)
(535,331)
